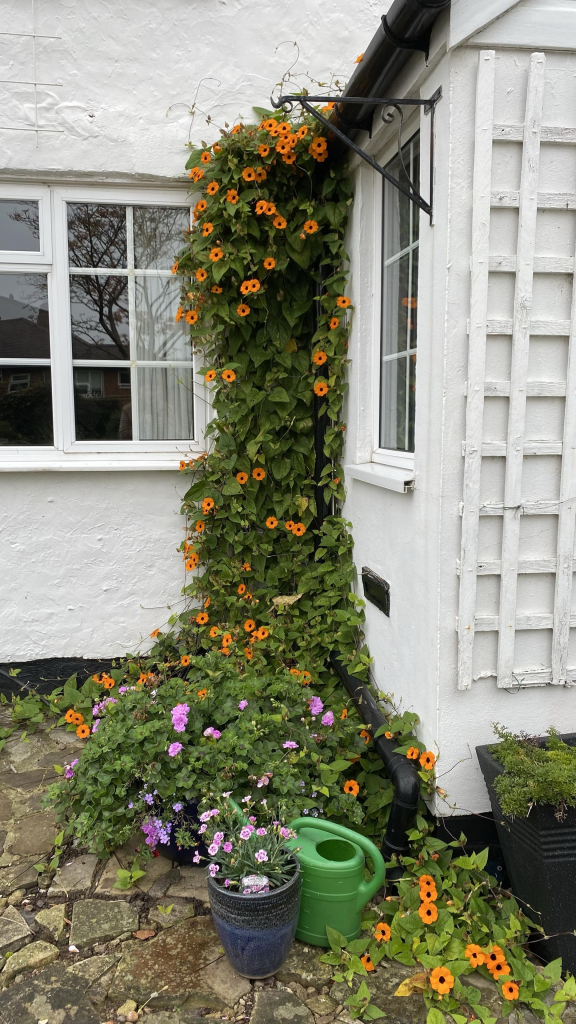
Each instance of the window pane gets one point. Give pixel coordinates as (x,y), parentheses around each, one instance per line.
(103,409)
(25,405)
(400,215)
(158,235)
(96,235)
(165,404)
(19,226)
(157,334)
(393,404)
(396,296)
(99,311)
(24,330)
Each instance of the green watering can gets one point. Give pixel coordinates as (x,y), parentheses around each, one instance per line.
(333,888)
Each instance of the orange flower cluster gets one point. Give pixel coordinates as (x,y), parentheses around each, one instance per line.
(298,529)
(196,174)
(250,285)
(495,960)
(318,148)
(427,910)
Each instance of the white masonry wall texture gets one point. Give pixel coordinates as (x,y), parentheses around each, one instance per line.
(88,559)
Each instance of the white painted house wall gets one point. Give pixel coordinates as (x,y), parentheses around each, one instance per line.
(413,539)
(88,559)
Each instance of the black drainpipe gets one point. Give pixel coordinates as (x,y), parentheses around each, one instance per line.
(402,772)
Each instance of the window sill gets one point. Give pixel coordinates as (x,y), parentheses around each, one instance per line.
(84,463)
(390,477)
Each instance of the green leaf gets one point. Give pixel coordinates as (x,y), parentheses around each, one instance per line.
(553,970)
(541,984)
(280,467)
(335,938)
(434,1016)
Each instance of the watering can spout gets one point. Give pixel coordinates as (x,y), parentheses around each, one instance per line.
(334,891)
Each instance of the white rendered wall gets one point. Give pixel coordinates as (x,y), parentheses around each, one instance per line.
(88,559)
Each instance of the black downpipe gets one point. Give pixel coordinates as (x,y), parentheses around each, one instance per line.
(402,773)
(406,27)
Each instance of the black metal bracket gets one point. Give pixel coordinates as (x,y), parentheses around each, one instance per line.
(287,102)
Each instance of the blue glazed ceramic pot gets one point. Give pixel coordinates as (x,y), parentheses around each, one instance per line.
(257,931)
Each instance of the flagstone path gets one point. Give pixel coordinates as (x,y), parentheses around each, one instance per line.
(81,952)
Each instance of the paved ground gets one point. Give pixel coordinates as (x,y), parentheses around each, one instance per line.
(81,952)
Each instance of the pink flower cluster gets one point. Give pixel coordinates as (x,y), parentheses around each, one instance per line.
(212,733)
(316,706)
(180,717)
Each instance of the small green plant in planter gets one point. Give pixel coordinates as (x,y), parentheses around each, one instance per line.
(534,774)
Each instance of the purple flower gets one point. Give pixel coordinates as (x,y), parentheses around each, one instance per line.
(174,749)
(218,837)
(95,725)
(316,706)
(290,745)
(68,774)
(264,802)
(285,833)
(206,815)
(263,781)
(177,807)
(196,858)
(228,793)
(213,870)
(70,768)
(245,833)
(122,689)
(130,806)
(328,718)
(214,812)
(226,883)
(243,704)
(213,849)
(202,829)
(227,847)
(252,819)
(148,798)
(245,800)
(261,856)
(211,732)
(261,832)
(180,717)
(216,734)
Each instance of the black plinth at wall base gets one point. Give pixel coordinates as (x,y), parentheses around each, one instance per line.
(540,854)
(480,831)
(46,674)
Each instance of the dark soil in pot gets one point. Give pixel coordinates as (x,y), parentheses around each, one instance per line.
(257,930)
(540,855)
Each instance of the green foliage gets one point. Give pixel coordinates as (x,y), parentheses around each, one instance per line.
(534,774)
(126,877)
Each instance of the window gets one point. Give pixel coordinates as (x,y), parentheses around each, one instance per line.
(92,362)
(399,306)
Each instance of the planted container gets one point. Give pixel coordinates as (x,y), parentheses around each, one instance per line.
(181,854)
(540,856)
(257,930)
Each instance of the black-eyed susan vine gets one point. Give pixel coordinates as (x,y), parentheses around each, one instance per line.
(264,291)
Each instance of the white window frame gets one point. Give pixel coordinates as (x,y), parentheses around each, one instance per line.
(67,453)
(386,456)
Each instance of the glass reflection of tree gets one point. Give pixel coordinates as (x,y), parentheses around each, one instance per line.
(97,238)
(157,233)
(28,215)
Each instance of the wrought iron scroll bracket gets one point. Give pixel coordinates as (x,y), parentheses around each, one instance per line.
(286,103)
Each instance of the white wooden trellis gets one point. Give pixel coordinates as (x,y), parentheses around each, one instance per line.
(524,265)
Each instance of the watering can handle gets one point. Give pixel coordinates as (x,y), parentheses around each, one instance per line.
(366,889)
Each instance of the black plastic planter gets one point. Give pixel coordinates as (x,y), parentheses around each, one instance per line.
(184,855)
(540,856)
(257,931)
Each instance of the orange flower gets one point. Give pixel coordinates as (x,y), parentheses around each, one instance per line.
(334,323)
(179,314)
(365,735)
(258,473)
(207,229)
(249,174)
(319,358)
(271,522)
(359,59)
(249,625)
(310,227)
(306,678)
(216,289)
(212,188)
(191,563)
(200,207)
(224,650)
(206,157)
(185,660)
(191,316)
(254,284)
(226,639)
(279,222)
(216,254)
(428,893)
(382,932)
(299,529)
(495,956)
(389,735)
(366,962)
(209,376)
(428,913)
(289,158)
(107,682)
(261,175)
(343,301)
(154,632)
(182,464)
(289,525)
(294,671)
(245,287)
(202,694)
(474,954)
(499,970)
(232,196)
(69,716)
(83,731)
(283,146)
(269,263)
(328,108)
(207,602)
(428,760)
(412,753)
(243,309)
(174,267)
(214,631)
(201,274)
(216,147)
(263,149)
(261,206)
(351,787)
(242,588)
(426,880)
(228,376)
(207,504)
(246,567)
(202,618)
(196,173)
(270,209)
(441,980)
(344,713)
(236,129)
(510,990)
(321,388)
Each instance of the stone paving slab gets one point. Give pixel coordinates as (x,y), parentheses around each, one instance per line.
(50,994)
(74,879)
(36,954)
(14,932)
(279,1006)
(96,921)
(53,920)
